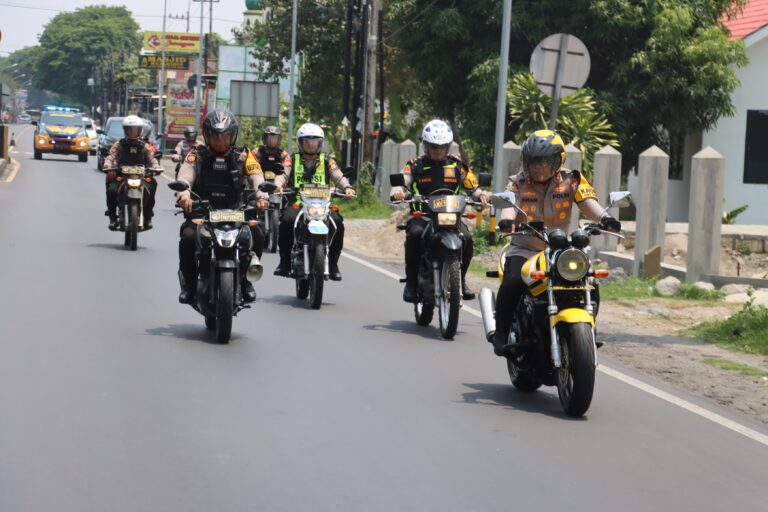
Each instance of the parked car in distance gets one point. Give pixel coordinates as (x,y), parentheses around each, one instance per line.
(93,137)
(24,118)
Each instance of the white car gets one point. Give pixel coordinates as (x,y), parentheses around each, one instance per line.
(93,136)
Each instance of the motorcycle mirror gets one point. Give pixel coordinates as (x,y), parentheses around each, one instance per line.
(397,180)
(267,187)
(484,179)
(619,199)
(504,200)
(178,186)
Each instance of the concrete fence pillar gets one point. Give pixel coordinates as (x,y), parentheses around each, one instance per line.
(606,179)
(510,164)
(573,161)
(651,203)
(407,151)
(388,160)
(705,213)
(454,149)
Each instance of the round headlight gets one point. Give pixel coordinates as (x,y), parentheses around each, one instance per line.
(558,239)
(572,264)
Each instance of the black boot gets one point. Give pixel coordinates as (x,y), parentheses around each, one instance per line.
(249,294)
(187,296)
(284,268)
(499,341)
(147,223)
(411,292)
(114,224)
(333,269)
(466,292)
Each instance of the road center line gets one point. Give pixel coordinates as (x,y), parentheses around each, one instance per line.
(626,379)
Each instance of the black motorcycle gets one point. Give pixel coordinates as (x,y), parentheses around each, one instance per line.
(131,194)
(271,216)
(221,236)
(440,264)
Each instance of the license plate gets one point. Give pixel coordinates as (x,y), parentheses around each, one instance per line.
(439,203)
(227,216)
(132,171)
(269,175)
(316,192)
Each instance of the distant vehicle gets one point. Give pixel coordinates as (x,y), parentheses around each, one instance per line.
(61,131)
(93,137)
(24,118)
(111,133)
(34,114)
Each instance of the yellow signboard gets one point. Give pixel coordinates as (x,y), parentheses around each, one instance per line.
(175,42)
(171,61)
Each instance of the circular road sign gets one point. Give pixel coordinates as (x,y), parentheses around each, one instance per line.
(564,55)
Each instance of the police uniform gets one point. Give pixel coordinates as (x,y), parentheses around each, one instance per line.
(424,176)
(129,152)
(272,160)
(220,179)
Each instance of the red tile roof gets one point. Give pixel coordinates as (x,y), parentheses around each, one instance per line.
(752,18)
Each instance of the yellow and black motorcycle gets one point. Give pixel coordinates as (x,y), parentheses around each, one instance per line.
(552,338)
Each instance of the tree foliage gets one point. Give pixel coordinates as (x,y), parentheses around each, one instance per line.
(75,43)
(320,41)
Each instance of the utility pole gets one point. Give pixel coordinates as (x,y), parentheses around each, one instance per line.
(370,84)
(501,98)
(161,85)
(358,105)
(199,88)
(292,99)
(347,83)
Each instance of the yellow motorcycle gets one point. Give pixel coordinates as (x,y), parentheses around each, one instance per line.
(552,338)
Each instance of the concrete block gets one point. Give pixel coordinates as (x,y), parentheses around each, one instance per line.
(651,203)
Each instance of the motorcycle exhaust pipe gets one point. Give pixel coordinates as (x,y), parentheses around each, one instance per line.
(255,270)
(488,311)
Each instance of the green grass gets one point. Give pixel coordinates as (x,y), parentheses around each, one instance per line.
(743,369)
(690,292)
(366,205)
(745,331)
(480,237)
(629,288)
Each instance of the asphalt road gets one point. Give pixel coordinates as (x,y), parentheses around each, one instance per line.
(113,396)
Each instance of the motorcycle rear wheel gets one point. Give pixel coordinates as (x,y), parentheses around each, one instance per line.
(450,301)
(225,306)
(576,377)
(132,233)
(317,277)
(423,313)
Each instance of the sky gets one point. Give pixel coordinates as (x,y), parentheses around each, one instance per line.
(22,21)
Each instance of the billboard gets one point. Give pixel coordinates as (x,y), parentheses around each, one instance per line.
(180,106)
(175,42)
(171,61)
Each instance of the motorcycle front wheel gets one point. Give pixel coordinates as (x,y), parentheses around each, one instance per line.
(317,276)
(225,306)
(576,377)
(274,224)
(132,230)
(450,300)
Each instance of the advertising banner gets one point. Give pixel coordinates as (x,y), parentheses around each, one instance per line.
(175,42)
(180,107)
(171,61)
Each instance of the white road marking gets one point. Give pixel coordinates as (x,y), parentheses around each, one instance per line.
(642,386)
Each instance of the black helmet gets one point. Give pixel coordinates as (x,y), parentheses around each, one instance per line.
(190,134)
(220,121)
(272,130)
(544,145)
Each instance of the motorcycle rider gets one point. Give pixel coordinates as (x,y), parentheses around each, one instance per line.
(435,170)
(130,150)
(270,155)
(217,172)
(546,193)
(185,146)
(311,165)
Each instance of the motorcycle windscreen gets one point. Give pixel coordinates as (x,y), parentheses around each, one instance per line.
(535,286)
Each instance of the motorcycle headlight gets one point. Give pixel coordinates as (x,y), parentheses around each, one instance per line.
(446,219)
(316,211)
(572,264)
(226,238)
(133,182)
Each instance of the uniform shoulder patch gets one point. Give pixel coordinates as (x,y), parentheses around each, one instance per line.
(191,157)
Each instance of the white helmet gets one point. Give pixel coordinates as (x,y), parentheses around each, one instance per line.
(309,130)
(132,126)
(436,132)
